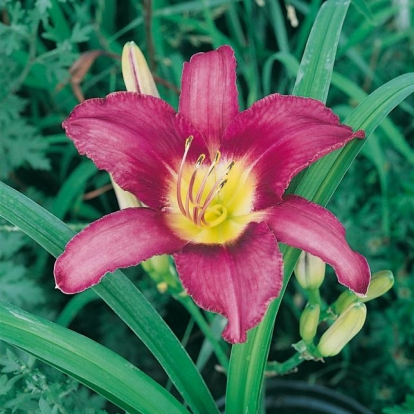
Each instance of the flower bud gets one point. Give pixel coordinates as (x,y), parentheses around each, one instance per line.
(310,271)
(125,198)
(309,321)
(137,78)
(136,73)
(159,270)
(348,324)
(344,300)
(381,282)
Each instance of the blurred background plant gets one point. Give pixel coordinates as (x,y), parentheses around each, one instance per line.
(44,72)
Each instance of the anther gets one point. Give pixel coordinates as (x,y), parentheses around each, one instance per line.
(200,160)
(223,183)
(190,197)
(214,163)
(204,181)
(231,165)
(188,142)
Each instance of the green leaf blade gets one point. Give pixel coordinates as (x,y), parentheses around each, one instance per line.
(92,364)
(315,71)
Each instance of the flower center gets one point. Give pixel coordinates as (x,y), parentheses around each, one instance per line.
(211,203)
(199,204)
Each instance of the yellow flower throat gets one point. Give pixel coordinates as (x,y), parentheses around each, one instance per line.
(211,204)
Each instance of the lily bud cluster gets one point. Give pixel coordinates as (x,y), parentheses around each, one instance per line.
(348,312)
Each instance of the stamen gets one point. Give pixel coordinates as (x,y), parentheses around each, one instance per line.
(189,197)
(188,142)
(203,183)
(198,216)
(194,203)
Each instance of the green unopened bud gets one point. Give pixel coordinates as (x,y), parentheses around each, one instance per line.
(309,321)
(348,324)
(137,78)
(136,73)
(310,271)
(381,282)
(159,270)
(158,264)
(345,299)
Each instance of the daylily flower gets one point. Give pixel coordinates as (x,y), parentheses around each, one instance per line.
(213,179)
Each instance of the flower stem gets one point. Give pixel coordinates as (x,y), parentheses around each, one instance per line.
(195,312)
(282,368)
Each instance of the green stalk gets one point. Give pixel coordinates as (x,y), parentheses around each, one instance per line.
(281,368)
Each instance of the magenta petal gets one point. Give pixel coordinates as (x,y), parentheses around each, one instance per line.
(118,240)
(139,139)
(209,93)
(310,227)
(281,135)
(237,280)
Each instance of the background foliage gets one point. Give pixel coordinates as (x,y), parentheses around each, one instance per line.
(41,40)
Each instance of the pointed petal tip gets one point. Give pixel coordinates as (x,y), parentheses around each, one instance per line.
(71,285)
(208,86)
(119,240)
(310,227)
(243,278)
(306,131)
(359,134)
(358,283)
(233,337)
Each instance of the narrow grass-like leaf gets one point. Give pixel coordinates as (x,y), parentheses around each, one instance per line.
(191,6)
(74,306)
(314,76)
(288,60)
(120,294)
(364,9)
(278,24)
(375,153)
(215,341)
(72,188)
(59,20)
(365,29)
(305,27)
(90,363)
(217,325)
(393,134)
